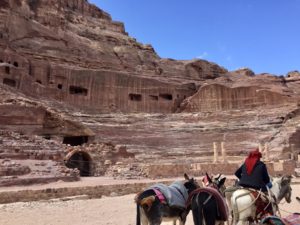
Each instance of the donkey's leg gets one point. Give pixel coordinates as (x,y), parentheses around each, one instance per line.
(241,222)
(144,218)
(182,221)
(155,222)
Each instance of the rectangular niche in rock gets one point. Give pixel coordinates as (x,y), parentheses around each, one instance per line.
(153,97)
(75,140)
(164,96)
(9,82)
(75,90)
(7,70)
(135,97)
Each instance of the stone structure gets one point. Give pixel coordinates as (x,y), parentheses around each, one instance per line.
(199,169)
(224,154)
(71,74)
(216,154)
(96,159)
(73,52)
(266,153)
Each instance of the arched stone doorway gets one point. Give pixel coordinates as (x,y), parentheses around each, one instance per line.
(80,160)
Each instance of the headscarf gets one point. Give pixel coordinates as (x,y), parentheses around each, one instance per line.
(251,160)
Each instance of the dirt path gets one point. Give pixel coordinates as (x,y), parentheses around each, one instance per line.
(105,211)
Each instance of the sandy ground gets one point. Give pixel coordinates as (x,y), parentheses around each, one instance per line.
(118,210)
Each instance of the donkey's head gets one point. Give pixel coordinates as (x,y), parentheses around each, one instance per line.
(220,182)
(215,182)
(285,189)
(190,183)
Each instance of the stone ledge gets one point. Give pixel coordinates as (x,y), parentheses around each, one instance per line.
(87,192)
(91,192)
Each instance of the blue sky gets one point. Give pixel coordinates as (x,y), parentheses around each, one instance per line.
(263,35)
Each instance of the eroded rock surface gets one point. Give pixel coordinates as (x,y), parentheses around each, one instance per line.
(71,74)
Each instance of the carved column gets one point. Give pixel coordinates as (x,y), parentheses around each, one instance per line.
(260,147)
(266,152)
(224,155)
(293,155)
(215,152)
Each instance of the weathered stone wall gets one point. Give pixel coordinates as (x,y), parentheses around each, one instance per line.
(92,192)
(98,91)
(73,52)
(31,118)
(21,115)
(199,169)
(216,97)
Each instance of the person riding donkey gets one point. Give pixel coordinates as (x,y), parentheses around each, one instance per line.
(253,176)
(253,173)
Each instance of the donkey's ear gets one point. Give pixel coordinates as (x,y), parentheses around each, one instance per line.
(186,176)
(222,181)
(208,178)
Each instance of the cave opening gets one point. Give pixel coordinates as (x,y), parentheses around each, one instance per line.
(75,140)
(9,82)
(135,97)
(74,90)
(165,96)
(82,161)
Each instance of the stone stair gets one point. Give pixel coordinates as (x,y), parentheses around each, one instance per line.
(26,159)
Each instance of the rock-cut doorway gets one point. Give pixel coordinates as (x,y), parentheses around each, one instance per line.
(80,160)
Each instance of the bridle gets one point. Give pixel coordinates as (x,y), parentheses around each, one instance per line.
(283,187)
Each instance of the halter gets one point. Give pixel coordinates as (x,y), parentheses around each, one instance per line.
(279,187)
(273,198)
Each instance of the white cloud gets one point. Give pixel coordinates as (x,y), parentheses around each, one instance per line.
(202,56)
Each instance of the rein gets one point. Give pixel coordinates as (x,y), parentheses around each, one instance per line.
(252,203)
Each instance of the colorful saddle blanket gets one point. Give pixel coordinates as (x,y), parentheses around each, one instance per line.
(222,206)
(293,219)
(175,195)
(262,203)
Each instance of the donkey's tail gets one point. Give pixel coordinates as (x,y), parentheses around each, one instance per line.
(198,215)
(138,215)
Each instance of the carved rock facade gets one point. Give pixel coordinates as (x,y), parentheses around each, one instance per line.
(68,72)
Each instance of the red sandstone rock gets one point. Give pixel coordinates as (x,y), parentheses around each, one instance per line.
(62,62)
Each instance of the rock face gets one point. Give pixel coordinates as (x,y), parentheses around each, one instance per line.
(68,72)
(31,159)
(73,52)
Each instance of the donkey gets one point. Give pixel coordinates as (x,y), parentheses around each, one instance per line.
(208,203)
(243,202)
(153,207)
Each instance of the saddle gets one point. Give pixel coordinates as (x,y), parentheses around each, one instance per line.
(262,202)
(222,209)
(147,201)
(174,195)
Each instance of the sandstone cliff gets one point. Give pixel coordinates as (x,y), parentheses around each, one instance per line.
(80,77)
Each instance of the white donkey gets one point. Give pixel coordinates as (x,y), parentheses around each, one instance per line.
(243,203)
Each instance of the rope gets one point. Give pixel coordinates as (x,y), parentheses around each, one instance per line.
(251,202)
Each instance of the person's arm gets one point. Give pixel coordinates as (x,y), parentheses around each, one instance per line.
(238,173)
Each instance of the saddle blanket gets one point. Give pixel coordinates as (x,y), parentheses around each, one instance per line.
(221,202)
(176,194)
(262,203)
(293,219)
